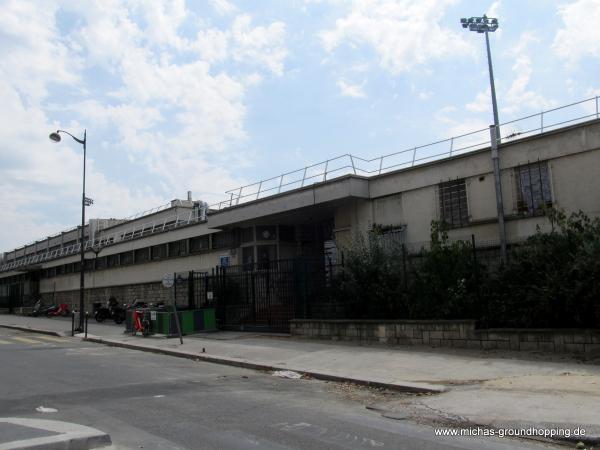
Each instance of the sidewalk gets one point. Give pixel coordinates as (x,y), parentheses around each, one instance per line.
(498,389)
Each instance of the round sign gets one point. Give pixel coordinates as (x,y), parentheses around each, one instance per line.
(168,280)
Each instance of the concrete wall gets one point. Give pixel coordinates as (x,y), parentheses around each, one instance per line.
(449,333)
(409,196)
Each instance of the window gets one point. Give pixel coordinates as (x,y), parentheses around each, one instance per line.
(266,233)
(247,235)
(224,239)
(101,263)
(112,260)
(142,255)
(159,251)
(126,258)
(453,203)
(199,244)
(533,188)
(177,248)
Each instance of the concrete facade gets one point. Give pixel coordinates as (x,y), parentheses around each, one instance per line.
(565,163)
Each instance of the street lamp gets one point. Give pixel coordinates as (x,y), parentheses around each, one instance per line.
(486,25)
(85,201)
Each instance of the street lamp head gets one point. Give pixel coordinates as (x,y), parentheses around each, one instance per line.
(54,137)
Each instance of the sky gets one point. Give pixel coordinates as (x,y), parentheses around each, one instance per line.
(206,96)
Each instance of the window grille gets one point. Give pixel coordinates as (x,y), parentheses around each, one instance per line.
(159,251)
(199,244)
(533,188)
(141,255)
(177,248)
(126,258)
(454,210)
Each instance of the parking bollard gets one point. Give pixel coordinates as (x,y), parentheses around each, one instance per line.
(87,315)
(72,323)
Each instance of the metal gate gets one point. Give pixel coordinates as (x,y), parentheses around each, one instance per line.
(259,296)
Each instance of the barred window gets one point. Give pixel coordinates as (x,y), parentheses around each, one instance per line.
(126,258)
(101,262)
(159,251)
(199,244)
(224,239)
(141,255)
(454,210)
(177,248)
(533,188)
(112,260)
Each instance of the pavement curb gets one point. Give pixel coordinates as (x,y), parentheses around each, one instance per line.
(416,388)
(33,330)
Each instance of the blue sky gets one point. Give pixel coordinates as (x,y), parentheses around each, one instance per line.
(207,96)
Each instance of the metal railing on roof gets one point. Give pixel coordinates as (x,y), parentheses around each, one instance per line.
(136,231)
(346,164)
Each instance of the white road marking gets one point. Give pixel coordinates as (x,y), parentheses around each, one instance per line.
(43,409)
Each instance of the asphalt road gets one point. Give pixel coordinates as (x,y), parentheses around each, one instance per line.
(151,401)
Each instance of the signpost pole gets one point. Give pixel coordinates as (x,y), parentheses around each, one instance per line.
(175,309)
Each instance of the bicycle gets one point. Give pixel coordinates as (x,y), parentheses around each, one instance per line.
(140,322)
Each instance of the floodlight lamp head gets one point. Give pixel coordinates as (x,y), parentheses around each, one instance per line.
(55,137)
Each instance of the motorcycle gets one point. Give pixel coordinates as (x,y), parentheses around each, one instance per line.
(112,310)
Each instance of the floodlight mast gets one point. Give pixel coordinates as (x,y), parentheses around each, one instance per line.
(486,25)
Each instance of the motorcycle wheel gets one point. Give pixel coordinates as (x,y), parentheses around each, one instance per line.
(146,330)
(99,317)
(119,319)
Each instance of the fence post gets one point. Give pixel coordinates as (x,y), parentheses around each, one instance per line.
(352,161)
(191,293)
(380,164)
(404,271)
(476,268)
(542,122)
(451,145)
(414,156)
(597,107)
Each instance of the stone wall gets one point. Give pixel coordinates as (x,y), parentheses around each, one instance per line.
(149,292)
(449,333)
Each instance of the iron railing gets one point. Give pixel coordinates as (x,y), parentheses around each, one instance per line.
(347,164)
(134,232)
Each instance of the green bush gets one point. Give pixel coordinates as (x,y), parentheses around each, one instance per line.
(553,280)
(370,284)
(445,283)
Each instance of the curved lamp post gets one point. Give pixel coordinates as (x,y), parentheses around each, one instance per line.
(84,202)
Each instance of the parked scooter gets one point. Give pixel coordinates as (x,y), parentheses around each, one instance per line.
(60,310)
(40,309)
(112,310)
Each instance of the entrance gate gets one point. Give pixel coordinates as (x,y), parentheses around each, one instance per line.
(259,296)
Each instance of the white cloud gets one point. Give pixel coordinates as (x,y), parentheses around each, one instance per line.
(223,7)
(351,90)
(579,36)
(403,33)
(262,45)
(168,110)
(519,96)
(482,102)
